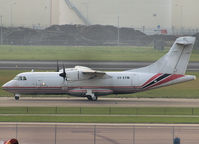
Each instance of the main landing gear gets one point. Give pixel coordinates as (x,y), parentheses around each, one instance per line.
(91,96)
(17,96)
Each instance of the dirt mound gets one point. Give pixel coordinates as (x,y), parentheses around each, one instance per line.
(80,35)
(75,35)
(95,35)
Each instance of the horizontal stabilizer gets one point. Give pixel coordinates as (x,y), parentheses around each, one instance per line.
(184,41)
(175,61)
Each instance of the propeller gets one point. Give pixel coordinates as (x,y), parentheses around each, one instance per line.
(63,74)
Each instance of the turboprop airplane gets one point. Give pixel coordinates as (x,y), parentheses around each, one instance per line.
(85,82)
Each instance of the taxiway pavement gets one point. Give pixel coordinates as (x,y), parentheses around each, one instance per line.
(98,65)
(53,133)
(102,102)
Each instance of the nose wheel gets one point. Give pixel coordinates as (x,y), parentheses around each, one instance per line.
(17,96)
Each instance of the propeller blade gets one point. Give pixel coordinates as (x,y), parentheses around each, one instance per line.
(57,66)
(64,73)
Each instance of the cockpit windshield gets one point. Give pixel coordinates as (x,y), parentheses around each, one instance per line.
(20,78)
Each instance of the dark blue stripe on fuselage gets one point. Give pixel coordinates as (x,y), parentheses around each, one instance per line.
(157,80)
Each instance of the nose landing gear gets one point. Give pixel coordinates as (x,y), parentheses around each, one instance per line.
(17,96)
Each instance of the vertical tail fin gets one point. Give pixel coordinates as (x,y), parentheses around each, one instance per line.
(175,61)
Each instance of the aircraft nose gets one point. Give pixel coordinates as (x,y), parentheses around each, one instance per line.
(7,85)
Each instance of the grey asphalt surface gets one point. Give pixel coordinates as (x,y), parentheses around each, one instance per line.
(102,102)
(52,133)
(66,133)
(102,65)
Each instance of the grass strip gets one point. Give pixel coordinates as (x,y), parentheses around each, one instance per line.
(97,53)
(101,119)
(101,110)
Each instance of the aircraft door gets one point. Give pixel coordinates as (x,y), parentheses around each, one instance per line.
(135,80)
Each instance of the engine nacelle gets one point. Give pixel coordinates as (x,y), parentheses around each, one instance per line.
(75,75)
(72,75)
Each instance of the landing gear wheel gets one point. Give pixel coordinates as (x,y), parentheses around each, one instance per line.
(17,97)
(94,98)
(90,98)
(90,95)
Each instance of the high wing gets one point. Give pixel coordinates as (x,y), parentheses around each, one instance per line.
(83,73)
(91,73)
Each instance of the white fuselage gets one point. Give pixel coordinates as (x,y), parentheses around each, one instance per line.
(117,83)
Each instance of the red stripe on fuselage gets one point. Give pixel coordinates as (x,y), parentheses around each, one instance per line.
(168,79)
(151,79)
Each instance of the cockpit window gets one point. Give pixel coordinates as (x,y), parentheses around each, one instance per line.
(20,78)
(24,78)
(16,78)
